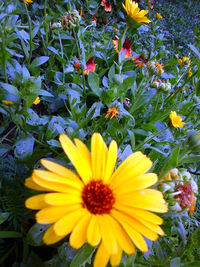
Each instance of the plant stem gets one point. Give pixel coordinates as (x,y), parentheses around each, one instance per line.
(4,51)
(30,32)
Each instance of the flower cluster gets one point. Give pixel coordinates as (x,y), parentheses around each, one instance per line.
(180,190)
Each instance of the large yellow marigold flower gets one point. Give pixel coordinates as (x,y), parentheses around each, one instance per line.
(176,120)
(98,205)
(134,13)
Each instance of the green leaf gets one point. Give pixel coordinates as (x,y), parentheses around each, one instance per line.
(171,163)
(93,80)
(191,159)
(3,216)
(35,234)
(10,234)
(193,48)
(175,262)
(83,256)
(39,61)
(24,148)
(10,89)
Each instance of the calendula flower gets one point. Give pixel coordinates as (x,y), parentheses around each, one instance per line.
(8,102)
(159,16)
(99,205)
(134,13)
(36,101)
(28,1)
(125,47)
(90,66)
(156,68)
(176,120)
(106,5)
(112,112)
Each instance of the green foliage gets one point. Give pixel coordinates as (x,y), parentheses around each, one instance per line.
(37,59)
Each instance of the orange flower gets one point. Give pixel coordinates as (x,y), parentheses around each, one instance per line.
(107,5)
(126,46)
(90,66)
(150,3)
(186,197)
(113,112)
(28,1)
(77,65)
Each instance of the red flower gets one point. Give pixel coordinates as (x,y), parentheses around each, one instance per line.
(82,14)
(140,60)
(106,5)
(90,66)
(186,196)
(126,46)
(151,4)
(94,18)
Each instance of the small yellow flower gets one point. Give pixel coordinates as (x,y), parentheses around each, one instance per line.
(98,204)
(187,59)
(189,73)
(176,120)
(134,13)
(36,101)
(28,1)
(113,112)
(159,16)
(180,62)
(7,102)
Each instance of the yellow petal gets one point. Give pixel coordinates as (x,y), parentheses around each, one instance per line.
(140,213)
(153,227)
(36,202)
(53,186)
(50,236)
(135,224)
(133,234)
(78,235)
(93,232)
(137,183)
(122,238)
(66,224)
(111,161)
(99,156)
(32,185)
(146,199)
(52,214)
(107,234)
(136,164)
(116,258)
(59,169)
(83,150)
(102,256)
(52,177)
(60,199)
(79,162)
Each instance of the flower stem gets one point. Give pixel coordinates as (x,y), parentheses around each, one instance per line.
(4,56)
(30,32)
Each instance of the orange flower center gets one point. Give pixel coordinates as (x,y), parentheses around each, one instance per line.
(97,197)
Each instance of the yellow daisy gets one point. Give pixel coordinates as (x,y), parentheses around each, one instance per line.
(176,120)
(134,13)
(99,205)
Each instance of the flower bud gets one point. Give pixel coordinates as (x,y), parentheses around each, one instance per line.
(71,19)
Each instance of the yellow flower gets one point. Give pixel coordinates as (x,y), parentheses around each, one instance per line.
(113,112)
(180,61)
(7,102)
(159,16)
(187,59)
(99,205)
(189,74)
(134,13)
(36,101)
(28,1)
(176,120)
